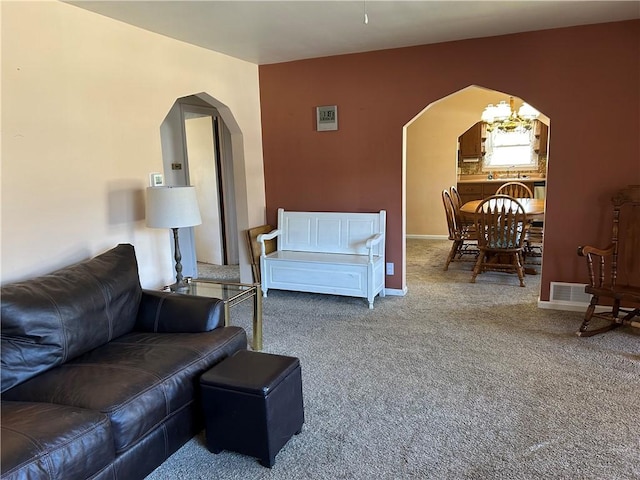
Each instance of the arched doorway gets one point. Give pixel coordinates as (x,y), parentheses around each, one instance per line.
(221,179)
(431,158)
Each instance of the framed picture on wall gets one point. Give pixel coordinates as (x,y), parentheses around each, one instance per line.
(327,118)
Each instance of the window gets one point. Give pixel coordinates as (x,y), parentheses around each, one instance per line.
(510,150)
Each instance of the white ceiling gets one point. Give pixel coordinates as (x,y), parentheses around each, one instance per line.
(264,32)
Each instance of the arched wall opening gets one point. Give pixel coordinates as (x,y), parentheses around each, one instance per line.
(430,159)
(176,172)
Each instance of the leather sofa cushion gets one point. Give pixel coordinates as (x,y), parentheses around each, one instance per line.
(51,319)
(137,380)
(41,440)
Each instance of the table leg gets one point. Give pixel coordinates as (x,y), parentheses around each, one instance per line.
(227,314)
(257,320)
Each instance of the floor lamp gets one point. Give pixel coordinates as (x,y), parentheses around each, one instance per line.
(174,208)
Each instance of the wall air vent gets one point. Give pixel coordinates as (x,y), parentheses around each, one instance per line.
(569,294)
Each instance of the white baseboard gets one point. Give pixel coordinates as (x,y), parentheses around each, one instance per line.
(568,307)
(428,237)
(395,292)
(556,305)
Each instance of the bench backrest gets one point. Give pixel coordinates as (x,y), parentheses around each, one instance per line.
(330,232)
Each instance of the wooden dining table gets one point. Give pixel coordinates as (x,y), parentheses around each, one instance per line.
(533,207)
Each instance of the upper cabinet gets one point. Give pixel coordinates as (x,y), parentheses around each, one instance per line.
(472,142)
(541,132)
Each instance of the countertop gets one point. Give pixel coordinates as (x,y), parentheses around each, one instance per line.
(484,179)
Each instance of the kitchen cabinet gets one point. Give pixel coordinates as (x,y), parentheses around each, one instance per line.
(541,132)
(472,142)
(480,190)
(470,191)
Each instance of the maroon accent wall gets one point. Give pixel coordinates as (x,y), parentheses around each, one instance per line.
(586,79)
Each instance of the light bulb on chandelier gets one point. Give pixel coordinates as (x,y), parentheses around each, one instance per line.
(503,116)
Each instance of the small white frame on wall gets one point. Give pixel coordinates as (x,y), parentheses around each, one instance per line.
(327,118)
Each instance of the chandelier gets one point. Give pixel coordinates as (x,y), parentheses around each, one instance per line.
(504,117)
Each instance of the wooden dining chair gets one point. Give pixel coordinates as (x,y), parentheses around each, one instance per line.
(535,232)
(614,271)
(501,224)
(463,242)
(515,190)
(455,196)
(254,248)
(467,224)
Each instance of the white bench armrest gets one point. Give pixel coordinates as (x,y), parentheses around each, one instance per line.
(374,240)
(267,236)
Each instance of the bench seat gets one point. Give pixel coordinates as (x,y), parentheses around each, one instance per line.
(315,257)
(326,252)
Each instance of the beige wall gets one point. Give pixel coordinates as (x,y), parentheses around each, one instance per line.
(431,155)
(83,98)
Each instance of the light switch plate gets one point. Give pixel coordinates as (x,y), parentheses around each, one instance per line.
(156,179)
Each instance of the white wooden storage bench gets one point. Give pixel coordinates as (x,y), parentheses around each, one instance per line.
(326,252)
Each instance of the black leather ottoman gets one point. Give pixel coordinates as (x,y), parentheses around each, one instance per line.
(252,404)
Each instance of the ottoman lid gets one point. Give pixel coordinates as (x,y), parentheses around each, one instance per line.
(250,372)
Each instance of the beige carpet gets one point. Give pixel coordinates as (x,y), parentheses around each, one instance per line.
(209,271)
(453,381)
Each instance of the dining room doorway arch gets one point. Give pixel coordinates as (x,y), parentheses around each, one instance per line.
(430,157)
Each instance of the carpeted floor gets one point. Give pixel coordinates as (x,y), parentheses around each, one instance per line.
(453,381)
(209,271)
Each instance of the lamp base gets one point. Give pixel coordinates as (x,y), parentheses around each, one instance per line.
(181,286)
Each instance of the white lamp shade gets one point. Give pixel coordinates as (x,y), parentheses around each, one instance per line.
(172,207)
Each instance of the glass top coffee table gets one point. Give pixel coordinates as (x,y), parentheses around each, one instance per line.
(231,294)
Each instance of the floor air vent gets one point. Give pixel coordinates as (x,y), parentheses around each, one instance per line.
(569,294)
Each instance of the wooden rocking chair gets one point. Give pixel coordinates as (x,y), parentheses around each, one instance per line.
(614,271)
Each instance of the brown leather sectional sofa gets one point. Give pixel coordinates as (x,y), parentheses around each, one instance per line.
(100,377)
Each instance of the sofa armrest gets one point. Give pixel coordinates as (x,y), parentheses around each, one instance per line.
(166,312)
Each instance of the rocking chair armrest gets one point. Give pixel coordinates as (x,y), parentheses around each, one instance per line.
(586,250)
(596,269)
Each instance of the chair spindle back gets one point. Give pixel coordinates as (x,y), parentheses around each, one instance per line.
(515,190)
